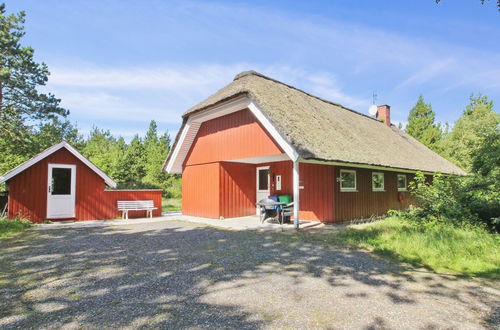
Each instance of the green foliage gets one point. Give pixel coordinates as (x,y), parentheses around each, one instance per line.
(20,77)
(54,131)
(104,150)
(137,165)
(438,202)
(462,250)
(421,124)
(472,201)
(474,144)
(467,138)
(9,227)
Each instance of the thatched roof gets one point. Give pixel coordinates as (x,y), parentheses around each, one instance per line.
(322,130)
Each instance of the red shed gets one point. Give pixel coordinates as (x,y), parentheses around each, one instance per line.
(61,184)
(258,137)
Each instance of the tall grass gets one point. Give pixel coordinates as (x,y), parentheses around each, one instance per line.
(171,204)
(10,227)
(467,251)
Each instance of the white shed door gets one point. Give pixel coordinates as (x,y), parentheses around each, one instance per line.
(61,191)
(263,188)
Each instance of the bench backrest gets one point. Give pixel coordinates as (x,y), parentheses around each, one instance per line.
(135,204)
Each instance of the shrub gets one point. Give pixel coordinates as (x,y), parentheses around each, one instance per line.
(459,201)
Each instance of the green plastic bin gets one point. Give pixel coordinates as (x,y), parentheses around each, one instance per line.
(285,199)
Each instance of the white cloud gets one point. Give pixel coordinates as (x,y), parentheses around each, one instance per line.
(429,72)
(114,94)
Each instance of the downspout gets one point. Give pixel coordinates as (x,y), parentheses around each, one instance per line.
(296,194)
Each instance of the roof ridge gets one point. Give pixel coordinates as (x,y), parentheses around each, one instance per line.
(258,74)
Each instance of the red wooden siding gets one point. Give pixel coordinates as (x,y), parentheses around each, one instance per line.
(201,190)
(213,187)
(28,192)
(237,190)
(317,196)
(366,203)
(285,169)
(234,136)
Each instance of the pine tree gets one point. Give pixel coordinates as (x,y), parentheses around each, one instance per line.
(20,77)
(421,124)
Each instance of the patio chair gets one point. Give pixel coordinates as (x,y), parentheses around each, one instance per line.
(286,213)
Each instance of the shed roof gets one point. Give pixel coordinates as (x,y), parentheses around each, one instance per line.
(322,130)
(47,152)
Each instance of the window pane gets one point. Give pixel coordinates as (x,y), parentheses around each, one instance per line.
(348,180)
(264,179)
(61,181)
(401,181)
(378,180)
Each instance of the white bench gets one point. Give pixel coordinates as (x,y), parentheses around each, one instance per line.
(126,206)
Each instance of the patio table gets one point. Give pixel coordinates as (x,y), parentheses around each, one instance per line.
(268,204)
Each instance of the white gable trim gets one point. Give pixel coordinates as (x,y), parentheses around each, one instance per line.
(190,130)
(50,151)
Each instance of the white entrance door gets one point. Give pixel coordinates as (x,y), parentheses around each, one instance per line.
(263,183)
(61,191)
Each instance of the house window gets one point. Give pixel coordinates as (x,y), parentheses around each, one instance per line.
(401,182)
(378,181)
(347,180)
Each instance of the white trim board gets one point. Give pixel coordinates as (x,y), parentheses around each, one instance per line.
(49,151)
(190,130)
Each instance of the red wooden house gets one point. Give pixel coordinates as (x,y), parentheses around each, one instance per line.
(61,184)
(258,137)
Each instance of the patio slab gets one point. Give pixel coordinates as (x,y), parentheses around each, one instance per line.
(241,223)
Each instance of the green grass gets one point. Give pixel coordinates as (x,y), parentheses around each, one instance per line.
(471,252)
(11,227)
(171,204)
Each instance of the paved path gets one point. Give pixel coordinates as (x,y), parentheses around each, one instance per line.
(174,274)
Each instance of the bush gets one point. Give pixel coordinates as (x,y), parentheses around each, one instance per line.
(458,201)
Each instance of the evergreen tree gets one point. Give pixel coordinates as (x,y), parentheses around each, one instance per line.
(55,131)
(135,163)
(103,150)
(421,124)
(20,77)
(156,149)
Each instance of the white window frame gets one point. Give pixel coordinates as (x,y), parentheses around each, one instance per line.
(406,182)
(350,189)
(383,181)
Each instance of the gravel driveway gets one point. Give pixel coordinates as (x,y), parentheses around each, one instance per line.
(182,275)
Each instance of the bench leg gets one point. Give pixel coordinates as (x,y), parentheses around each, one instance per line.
(123,214)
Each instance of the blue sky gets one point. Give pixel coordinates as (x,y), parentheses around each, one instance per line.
(119,64)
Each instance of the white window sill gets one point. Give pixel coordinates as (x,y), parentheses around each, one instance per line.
(378,190)
(348,190)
